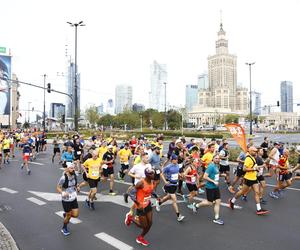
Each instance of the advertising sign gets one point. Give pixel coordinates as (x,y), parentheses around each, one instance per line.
(5,75)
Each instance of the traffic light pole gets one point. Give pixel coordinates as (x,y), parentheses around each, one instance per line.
(44,111)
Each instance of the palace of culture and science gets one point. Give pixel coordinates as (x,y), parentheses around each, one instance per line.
(222,96)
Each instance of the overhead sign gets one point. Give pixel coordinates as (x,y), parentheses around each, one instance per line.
(3,50)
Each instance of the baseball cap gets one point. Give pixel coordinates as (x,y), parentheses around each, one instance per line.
(110,146)
(174,157)
(177,141)
(276,143)
(69,164)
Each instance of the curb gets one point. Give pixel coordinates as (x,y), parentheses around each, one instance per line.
(6,240)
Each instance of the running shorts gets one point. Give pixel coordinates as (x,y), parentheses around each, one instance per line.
(170,189)
(250,183)
(108,171)
(212,194)
(191,187)
(93,183)
(224,168)
(284,177)
(144,211)
(69,205)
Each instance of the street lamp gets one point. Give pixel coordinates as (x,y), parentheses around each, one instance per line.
(75,85)
(44,109)
(29,112)
(165,105)
(141,117)
(250,64)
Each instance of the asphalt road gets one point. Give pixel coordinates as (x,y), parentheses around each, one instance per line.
(37,226)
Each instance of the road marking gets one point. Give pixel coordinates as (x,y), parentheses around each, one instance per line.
(36,201)
(113,241)
(295,189)
(36,163)
(8,190)
(222,203)
(73,220)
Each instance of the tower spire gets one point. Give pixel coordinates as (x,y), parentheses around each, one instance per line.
(221,21)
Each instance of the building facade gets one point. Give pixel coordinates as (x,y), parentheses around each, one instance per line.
(286,96)
(71,89)
(203,81)
(283,121)
(57,110)
(123,94)
(256,103)
(138,107)
(191,96)
(222,96)
(159,76)
(15,99)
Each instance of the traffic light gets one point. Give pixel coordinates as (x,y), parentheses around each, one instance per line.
(49,87)
(63,118)
(278,104)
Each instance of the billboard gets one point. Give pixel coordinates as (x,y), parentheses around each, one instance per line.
(5,75)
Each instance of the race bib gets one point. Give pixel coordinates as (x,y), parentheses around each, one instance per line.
(78,152)
(95,171)
(193,179)
(174,177)
(157,171)
(217,177)
(104,166)
(180,165)
(72,196)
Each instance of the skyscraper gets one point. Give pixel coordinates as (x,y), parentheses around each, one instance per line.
(286,96)
(123,98)
(203,81)
(57,110)
(191,96)
(158,74)
(71,89)
(256,103)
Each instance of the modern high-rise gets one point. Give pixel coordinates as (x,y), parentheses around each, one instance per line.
(191,96)
(71,89)
(286,96)
(256,103)
(138,107)
(158,75)
(110,107)
(123,98)
(57,110)
(100,109)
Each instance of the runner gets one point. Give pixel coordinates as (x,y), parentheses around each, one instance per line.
(170,175)
(56,149)
(284,175)
(211,176)
(274,158)
(124,155)
(6,148)
(26,156)
(1,145)
(67,156)
(143,206)
(260,175)
(78,152)
(224,163)
(92,171)
(108,168)
(191,179)
(250,181)
(67,187)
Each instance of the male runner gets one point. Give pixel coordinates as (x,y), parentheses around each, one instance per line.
(108,168)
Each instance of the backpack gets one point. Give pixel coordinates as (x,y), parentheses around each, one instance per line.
(66,183)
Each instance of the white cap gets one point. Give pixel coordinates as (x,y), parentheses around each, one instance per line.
(69,164)
(177,141)
(110,146)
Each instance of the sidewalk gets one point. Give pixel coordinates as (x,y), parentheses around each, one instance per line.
(6,240)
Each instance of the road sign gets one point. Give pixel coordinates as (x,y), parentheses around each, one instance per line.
(3,50)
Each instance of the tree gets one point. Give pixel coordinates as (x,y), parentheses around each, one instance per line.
(174,119)
(91,114)
(231,118)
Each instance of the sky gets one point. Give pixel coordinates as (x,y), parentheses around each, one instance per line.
(123,37)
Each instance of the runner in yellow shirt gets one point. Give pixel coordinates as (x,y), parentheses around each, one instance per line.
(6,148)
(124,154)
(93,166)
(102,149)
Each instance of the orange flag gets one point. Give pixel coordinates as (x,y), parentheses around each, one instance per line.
(238,133)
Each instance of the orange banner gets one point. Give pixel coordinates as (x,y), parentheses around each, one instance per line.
(238,133)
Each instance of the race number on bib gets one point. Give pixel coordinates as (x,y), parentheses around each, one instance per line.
(217,177)
(78,152)
(72,196)
(193,179)
(174,177)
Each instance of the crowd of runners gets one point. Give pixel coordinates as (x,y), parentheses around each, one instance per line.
(186,170)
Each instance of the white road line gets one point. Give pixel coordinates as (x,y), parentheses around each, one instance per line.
(295,189)
(8,190)
(36,163)
(36,201)
(222,203)
(73,220)
(113,241)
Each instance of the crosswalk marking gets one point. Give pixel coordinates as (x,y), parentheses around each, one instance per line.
(37,163)
(36,201)
(73,220)
(113,241)
(8,190)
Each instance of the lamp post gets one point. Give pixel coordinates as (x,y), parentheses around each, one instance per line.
(250,64)
(141,117)
(75,82)
(165,105)
(29,112)
(44,109)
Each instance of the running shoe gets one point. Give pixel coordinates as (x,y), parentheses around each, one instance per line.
(22,166)
(29,172)
(192,207)
(273,195)
(128,219)
(157,205)
(87,203)
(244,198)
(125,195)
(180,217)
(201,191)
(231,189)
(231,204)
(261,212)
(140,240)
(65,231)
(92,205)
(218,221)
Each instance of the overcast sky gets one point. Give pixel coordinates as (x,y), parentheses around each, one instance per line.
(123,37)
